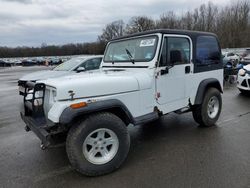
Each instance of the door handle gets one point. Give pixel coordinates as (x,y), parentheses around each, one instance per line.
(187,69)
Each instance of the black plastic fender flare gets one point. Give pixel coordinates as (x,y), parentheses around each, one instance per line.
(210,82)
(69,114)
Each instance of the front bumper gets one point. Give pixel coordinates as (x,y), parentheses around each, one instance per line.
(39,127)
(49,133)
(243,82)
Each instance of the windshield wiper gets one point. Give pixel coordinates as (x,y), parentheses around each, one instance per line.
(130,56)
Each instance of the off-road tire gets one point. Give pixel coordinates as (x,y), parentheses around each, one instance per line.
(200,112)
(79,132)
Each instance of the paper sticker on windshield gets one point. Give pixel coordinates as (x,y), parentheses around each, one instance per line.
(147,42)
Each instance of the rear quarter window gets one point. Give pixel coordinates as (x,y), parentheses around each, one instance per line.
(207,51)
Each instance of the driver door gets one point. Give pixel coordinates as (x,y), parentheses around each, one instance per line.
(174,72)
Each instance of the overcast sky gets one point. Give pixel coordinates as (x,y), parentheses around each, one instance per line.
(33,22)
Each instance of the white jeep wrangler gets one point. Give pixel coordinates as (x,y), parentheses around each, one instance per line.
(143,77)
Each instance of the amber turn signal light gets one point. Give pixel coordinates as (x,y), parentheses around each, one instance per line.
(78,105)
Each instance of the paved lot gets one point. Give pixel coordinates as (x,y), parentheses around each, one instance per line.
(172,152)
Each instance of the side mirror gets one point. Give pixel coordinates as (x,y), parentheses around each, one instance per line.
(80,69)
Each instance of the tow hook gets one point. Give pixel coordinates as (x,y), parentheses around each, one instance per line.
(26,128)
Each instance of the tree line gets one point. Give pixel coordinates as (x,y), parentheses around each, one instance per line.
(231,23)
(53,50)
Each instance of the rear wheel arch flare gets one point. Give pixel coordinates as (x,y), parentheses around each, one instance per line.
(203,86)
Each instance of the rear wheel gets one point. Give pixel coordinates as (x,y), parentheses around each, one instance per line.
(98,145)
(207,113)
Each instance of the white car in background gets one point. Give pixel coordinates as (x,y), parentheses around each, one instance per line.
(243,80)
(72,66)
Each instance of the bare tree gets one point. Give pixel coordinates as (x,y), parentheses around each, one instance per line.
(168,20)
(211,17)
(233,25)
(139,24)
(202,18)
(187,21)
(112,30)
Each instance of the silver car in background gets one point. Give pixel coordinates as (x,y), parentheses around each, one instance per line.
(72,66)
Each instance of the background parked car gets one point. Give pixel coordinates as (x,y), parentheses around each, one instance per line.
(243,79)
(4,63)
(244,61)
(40,60)
(54,61)
(246,53)
(16,62)
(29,62)
(231,57)
(74,65)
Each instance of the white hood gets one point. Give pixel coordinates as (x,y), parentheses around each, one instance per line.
(42,75)
(101,83)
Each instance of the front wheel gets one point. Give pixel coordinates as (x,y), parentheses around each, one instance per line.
(98,145)
(207,113)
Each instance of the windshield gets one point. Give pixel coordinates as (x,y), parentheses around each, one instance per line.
(132,50)
(69,65)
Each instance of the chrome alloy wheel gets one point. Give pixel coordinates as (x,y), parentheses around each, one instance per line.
(213,107)
(100,146)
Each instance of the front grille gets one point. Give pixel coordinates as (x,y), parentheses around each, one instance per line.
(244,83)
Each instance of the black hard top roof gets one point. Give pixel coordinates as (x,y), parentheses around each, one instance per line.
(169,31)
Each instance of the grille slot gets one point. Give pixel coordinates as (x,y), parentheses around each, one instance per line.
(248,82)
(244,83)
(47,101)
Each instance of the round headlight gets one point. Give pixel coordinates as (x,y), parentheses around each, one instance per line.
(242,72)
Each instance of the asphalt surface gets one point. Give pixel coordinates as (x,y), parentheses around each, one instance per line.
(171,152)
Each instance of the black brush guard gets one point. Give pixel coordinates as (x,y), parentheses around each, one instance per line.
(33,104)
(34,117)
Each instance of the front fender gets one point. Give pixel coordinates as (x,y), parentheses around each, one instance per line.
(69,114)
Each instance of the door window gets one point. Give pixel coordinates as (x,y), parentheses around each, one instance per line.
(175,50)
